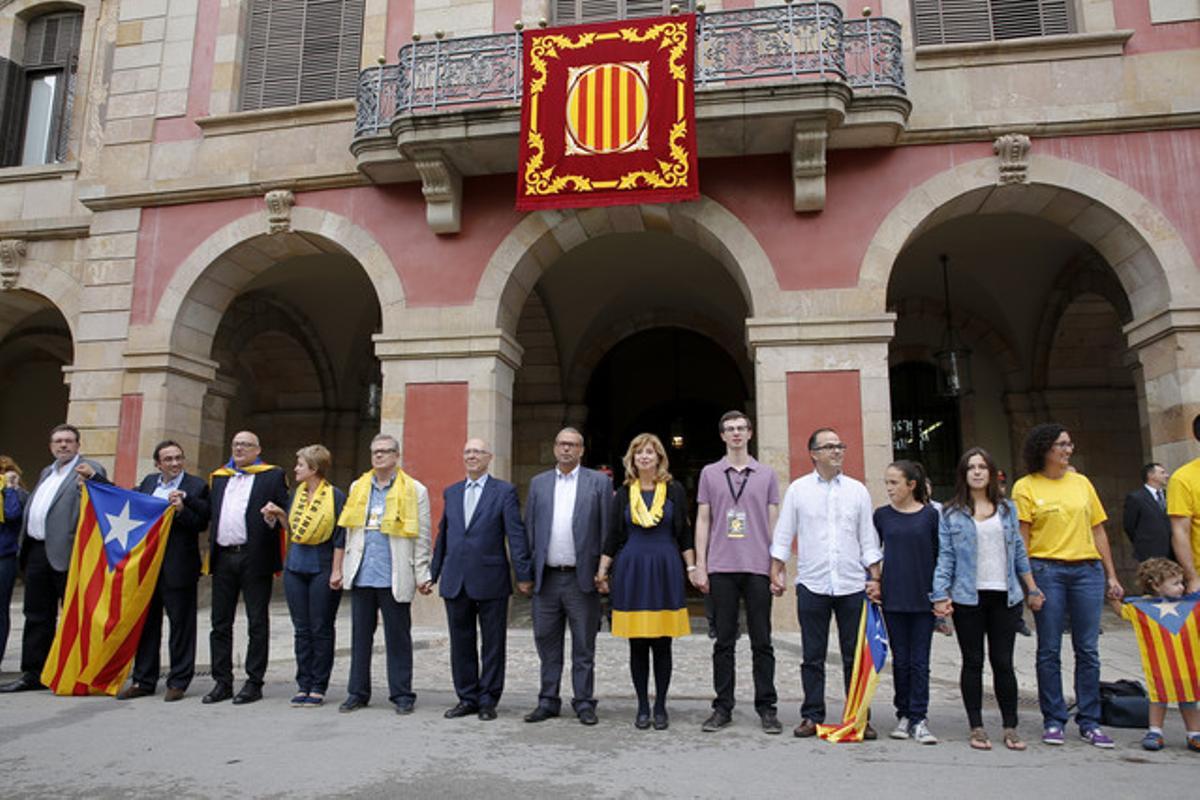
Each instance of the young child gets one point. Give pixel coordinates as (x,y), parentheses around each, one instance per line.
(1166,611)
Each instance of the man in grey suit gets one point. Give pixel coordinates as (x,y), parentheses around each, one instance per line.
(47,536)
(566,520)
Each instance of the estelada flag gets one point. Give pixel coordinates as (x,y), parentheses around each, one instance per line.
(1168,634)
(118,552)
(870,657)
(608,114)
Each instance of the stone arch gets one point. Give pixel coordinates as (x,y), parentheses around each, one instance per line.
(216,271)
(1150,259)
(976,332)
(53,285)
(541,238)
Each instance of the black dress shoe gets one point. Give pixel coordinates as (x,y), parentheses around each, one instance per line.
(248,694)
(173,694)
(133,691)
(352,703)
(540,714)
(642,720)
(404,706)
(219,693)
(25,683)
(661,722)
(587,716)
(487,713)
(461,710)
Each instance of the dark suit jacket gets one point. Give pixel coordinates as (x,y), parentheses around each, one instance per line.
(1147,526)
(181,562)
(262,540)
(61,519)
(618,529)
(589,522)
(472,557)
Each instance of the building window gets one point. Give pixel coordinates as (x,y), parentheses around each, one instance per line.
(574,12)
(301,51)
(959,21)
(37,91)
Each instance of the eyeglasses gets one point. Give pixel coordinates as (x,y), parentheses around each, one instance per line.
(830,448)
(384,452)
(568,444)
(1065,445)
(473,451)
(244,445)
(736,428)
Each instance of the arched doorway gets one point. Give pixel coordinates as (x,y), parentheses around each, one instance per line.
(35,347)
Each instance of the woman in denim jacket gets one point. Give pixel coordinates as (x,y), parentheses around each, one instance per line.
(981,564)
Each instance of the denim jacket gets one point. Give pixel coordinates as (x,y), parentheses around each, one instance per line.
(954,576)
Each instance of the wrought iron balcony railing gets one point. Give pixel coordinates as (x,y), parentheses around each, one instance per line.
(798,41)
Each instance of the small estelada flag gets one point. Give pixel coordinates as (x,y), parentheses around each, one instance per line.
(1168,634)
(608,114)
(118,552)
(870,657)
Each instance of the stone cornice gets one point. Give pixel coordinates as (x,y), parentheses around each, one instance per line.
(321,113)
(200,369)
(146,196)
(768,332)
(1143,332)
(46,228)
(495,343)
(1011,51)
(1042,130)
(40,172)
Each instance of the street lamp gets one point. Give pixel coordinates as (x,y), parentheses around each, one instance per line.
(954,359)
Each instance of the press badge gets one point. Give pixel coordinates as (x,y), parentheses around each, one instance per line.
(735,524)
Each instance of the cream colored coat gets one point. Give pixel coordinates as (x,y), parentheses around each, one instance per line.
(410,557)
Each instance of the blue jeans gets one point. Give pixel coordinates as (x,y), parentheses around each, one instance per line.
(911,636)
(313,606)
(813,611)
(1074,596)
(8,577)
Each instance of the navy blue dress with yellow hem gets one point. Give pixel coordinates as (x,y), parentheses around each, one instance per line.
(648,597)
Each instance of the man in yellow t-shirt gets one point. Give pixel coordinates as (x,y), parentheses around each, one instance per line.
(1183,507)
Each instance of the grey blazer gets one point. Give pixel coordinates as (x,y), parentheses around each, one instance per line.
(593,505)
(61,519)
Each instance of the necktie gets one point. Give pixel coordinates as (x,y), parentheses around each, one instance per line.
(1162,499)
(472,497)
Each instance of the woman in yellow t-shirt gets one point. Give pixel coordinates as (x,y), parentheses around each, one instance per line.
(1062,523)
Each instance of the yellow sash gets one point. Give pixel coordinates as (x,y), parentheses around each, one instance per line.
(647,517)
(230,470)
(3,489)
(310,519)
(399,511)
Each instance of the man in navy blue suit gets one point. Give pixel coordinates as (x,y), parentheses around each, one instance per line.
(471,566)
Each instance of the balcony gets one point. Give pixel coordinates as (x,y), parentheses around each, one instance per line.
(796,78)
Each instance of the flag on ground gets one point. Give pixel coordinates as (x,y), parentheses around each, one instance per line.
(869,660)
(1168,634)
(119,547)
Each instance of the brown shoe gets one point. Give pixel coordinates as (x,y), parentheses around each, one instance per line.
(869,734)
(173,694)
(133,691)
(805,729)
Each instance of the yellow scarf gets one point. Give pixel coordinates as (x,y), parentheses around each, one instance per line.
(399,511)
(230,470)
(647,517)
(3,489)
(310,519)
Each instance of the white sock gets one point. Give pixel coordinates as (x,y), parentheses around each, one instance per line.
(1155,729)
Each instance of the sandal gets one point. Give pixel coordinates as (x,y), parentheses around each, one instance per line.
(1012,741)
(979,739)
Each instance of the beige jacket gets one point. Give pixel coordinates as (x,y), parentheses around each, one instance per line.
(410,557)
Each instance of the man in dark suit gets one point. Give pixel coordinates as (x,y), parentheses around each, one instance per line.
(566,518)
(175,591)
(1146,522)
(471,564)
(47,536)
(245,555)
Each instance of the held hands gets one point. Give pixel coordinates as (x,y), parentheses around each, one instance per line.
(525,588)
(335,580)
(273,514)
(699,578)
(778,578)
(874,594)
(942,609)
(425,588)
(601,582)
(1035,599)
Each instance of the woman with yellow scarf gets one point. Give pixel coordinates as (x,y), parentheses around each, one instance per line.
(312,570)
(649,531)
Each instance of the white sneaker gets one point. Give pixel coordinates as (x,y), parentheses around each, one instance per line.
(922,734)
(901,730)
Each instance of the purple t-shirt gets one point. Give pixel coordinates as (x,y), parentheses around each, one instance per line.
(739,541)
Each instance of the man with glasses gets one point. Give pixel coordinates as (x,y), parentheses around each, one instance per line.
(828,515)
(737,508)
(244,555)
(386,562)
(471,566)
(566,520)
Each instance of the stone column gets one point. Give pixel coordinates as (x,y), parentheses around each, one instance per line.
(173,388)
(1167,347)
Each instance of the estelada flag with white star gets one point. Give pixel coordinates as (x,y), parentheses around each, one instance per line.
(1168,634)
(870,657)
(119,545)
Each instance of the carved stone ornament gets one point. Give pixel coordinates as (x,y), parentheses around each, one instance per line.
(279,210)
(1013,151)
(442,186)
(12,253)
(808,166)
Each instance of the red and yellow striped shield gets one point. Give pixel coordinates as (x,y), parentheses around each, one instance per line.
(607,108)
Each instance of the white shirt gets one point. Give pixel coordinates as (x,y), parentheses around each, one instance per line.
(479,484)
(231,529)
(836,539)
(164,490)
(561,552)
(991,559)
(43,498)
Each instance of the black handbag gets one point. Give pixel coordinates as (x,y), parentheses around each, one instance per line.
(1124,704)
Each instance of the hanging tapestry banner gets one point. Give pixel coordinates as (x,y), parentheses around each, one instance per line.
(608,114)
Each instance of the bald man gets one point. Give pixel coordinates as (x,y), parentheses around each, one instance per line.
(244,556)
(471,566)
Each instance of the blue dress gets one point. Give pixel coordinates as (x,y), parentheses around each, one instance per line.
(648,596)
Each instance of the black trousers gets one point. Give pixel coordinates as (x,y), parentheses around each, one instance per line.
(478,674)
(44,587)
(179,603)
(996,621)
(728,590)
(813,611)
(232,576)
(558,605)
